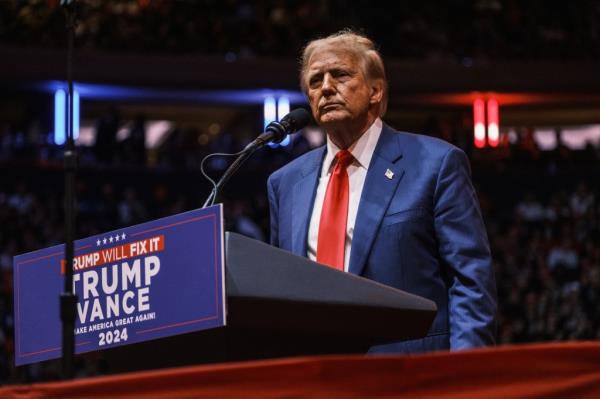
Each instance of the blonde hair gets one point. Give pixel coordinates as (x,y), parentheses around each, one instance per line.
(360,47)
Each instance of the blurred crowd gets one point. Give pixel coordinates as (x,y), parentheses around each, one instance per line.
(541,210)
(548,267)
(460,31)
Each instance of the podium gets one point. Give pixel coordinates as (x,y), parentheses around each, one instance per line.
(280,304)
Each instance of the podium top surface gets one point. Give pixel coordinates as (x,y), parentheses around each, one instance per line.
(270,287)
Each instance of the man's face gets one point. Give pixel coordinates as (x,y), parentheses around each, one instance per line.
(338,90)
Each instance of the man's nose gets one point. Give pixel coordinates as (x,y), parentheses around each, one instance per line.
(328,86)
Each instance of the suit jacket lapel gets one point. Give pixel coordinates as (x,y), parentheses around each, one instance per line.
(302,204)
(377,192)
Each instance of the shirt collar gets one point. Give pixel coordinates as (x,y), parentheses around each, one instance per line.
(362,149)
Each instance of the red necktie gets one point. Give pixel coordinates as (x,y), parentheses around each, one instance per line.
(332,226)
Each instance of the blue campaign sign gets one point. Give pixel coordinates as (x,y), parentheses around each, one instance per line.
(140,283)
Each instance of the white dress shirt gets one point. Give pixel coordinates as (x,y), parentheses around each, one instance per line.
(362,151)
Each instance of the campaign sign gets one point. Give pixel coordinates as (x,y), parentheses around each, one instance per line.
(140,283)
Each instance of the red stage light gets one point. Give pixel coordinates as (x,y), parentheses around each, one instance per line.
(493,122)
(479,123)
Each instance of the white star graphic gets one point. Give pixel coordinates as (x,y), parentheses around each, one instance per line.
(123,236)
(110,239)
(117,237)
(98,243)
(104,241)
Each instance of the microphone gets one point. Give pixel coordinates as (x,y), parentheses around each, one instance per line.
(276,131)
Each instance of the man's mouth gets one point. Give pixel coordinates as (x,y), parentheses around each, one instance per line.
(330,106)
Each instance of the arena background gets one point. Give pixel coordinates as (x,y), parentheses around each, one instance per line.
(163,83)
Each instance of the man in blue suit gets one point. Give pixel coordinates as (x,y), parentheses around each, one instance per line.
(394,207)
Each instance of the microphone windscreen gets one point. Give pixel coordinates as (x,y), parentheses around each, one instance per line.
(295,120)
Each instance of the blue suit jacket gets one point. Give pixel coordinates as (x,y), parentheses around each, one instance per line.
(421,232)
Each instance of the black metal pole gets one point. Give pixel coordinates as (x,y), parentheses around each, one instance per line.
(68,299)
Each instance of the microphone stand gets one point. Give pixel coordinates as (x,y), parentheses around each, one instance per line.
(68,299)
(275,131)
(227,175)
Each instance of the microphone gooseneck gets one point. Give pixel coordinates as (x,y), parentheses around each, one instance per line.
(275,132)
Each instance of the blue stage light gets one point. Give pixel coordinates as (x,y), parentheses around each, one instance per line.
(269,111)
(60,112)
(60,116)
(283,108)
(75,114)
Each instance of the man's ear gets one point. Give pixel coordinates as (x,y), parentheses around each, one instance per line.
(376,91)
